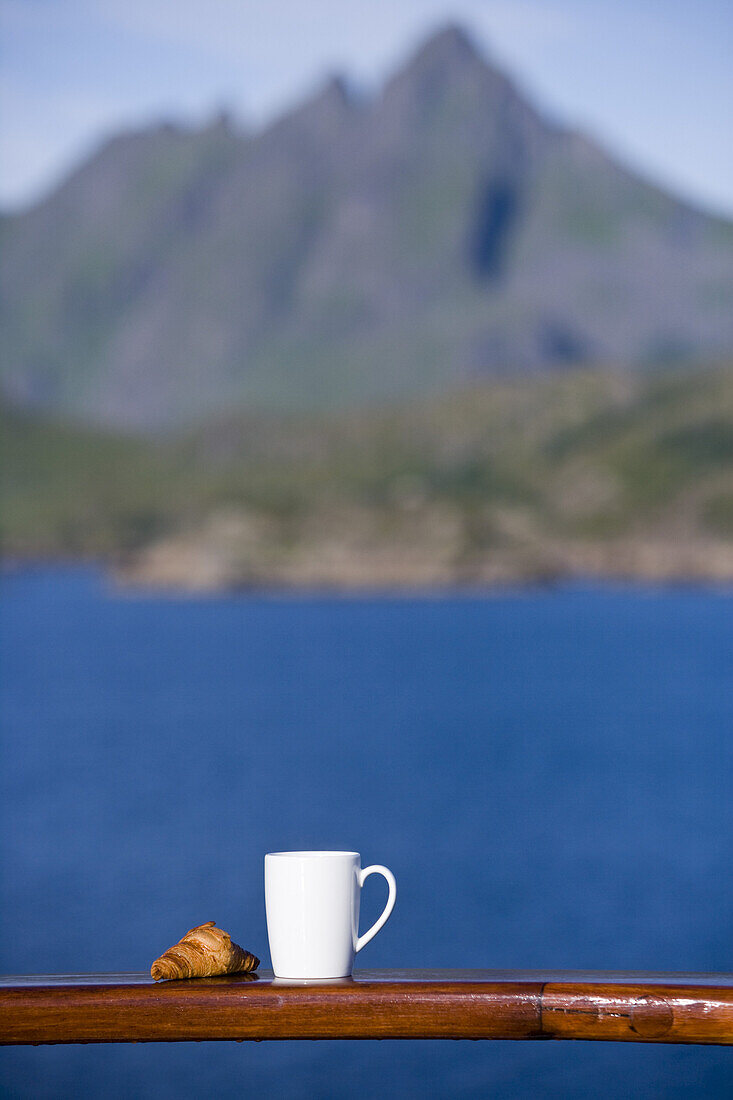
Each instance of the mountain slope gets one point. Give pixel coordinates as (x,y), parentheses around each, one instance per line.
(352,251)
(580,473)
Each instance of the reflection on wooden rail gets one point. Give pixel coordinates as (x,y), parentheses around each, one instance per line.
(375,1004)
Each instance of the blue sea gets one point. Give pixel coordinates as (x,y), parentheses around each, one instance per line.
(547,772)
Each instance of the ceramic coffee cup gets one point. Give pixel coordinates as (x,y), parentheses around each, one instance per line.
(312,903)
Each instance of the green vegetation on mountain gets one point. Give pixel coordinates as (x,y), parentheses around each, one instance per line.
(597,471)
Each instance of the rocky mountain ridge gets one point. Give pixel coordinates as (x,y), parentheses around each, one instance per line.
(352,252)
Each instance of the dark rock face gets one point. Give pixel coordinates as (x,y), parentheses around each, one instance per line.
(491,234)
(350,252)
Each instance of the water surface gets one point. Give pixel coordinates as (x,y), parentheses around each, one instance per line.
(548,774)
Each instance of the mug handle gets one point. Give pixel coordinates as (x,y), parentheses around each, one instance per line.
(377,869)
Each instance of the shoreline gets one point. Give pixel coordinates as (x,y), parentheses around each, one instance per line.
(275,589)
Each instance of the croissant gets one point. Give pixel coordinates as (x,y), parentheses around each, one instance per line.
(203,952)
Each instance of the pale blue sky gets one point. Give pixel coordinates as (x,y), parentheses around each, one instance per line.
(650,78)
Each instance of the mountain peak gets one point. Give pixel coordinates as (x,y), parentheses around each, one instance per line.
(326,107)
(333,92)
(447,77)
(449,45)
(447,59)
(448,55)
(319,117)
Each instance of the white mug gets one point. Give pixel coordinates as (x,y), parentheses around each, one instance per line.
(312,903)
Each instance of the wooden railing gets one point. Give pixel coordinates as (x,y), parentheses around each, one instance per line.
(375,1004)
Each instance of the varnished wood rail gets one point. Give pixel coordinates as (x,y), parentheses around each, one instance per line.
(375,1004)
